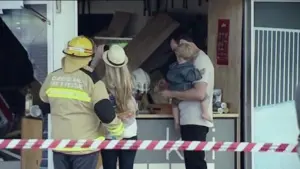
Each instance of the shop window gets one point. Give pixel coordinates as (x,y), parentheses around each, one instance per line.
(276,58)
(31,31)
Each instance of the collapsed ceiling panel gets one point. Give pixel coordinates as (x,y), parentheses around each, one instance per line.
(149,39)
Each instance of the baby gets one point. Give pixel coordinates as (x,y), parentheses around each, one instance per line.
(181,76)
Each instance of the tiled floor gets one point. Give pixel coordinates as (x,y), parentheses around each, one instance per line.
(266,129)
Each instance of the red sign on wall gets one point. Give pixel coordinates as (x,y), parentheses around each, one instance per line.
(223,41)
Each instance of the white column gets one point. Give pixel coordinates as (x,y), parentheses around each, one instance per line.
(64,26)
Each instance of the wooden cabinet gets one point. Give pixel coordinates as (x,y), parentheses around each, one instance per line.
(31,129)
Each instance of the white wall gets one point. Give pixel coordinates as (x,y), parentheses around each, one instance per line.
(136,7)
(65,27)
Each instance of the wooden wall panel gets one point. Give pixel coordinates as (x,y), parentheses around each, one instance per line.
(228,78)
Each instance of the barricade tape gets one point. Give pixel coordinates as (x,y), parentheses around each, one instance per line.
(148,145)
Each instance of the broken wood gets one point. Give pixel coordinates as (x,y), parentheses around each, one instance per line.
(116,27)
(149,39)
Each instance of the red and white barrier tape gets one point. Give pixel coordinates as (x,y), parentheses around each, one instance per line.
(148,145)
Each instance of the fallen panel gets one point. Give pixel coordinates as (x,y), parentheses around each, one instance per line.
(149,39)
(116,27)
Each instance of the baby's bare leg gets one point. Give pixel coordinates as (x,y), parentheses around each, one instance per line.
(175,111)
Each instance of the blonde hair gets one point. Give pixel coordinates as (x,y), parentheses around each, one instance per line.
(185,51)
(118,81)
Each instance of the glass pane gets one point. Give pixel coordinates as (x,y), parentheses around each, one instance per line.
(31,31)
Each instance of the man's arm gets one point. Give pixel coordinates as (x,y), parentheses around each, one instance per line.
(197,93)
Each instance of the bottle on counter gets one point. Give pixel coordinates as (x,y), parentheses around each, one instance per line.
(28,102)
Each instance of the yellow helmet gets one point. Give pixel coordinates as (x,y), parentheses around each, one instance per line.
(80,46)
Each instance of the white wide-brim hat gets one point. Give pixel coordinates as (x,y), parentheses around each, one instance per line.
(115,56)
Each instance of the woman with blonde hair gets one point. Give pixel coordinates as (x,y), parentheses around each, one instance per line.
(119,84)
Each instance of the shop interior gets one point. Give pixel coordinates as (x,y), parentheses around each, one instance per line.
(145,29)
(146,32)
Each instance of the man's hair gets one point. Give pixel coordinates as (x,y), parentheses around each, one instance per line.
(185,51)
(183,37)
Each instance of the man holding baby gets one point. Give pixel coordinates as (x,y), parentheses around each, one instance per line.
(195,102)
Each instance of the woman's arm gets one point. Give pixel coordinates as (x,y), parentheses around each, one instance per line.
(98,56)
(133,108)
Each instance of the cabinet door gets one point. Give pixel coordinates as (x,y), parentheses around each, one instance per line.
(163,129)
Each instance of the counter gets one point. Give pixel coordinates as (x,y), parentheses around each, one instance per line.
(161,127)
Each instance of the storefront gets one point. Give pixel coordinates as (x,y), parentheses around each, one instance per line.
(227,126)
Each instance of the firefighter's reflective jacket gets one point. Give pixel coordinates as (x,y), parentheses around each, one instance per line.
(79,106)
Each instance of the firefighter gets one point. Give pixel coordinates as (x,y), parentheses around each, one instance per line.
(79,106)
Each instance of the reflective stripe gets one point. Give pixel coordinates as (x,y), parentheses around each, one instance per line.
(80,49)
(116,131)
(68,94)
(78,149)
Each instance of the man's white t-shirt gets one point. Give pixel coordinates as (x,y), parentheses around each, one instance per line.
(190,111)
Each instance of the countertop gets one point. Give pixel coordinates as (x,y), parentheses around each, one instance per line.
(163,116)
